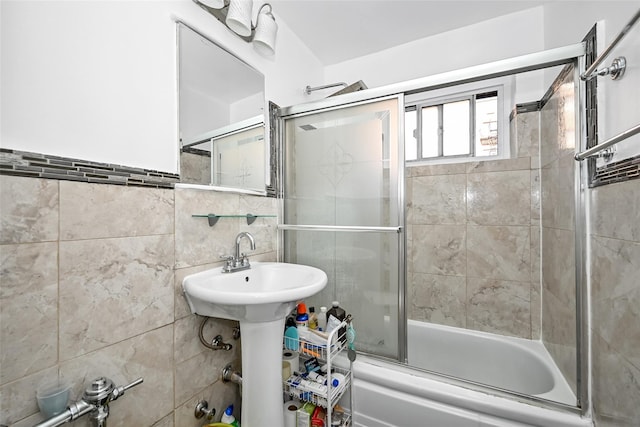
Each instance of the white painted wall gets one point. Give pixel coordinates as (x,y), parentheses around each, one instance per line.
(201,114)
(553,25)
(96,80)
(499,38)
(561,31)
(245,108)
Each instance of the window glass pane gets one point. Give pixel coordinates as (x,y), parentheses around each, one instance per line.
(410,135)
(486,139)
(455,128)
(430,132)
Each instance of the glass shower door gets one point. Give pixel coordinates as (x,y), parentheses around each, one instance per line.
(342,188)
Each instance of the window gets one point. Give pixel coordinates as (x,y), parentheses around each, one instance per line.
(456,126)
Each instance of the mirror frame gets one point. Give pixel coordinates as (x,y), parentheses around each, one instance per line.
(271,156)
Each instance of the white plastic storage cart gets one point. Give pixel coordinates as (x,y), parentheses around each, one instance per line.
(338,376)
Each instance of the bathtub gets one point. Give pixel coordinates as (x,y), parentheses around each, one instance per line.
(388,394)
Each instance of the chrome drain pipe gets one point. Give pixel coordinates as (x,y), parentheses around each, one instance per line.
(228,374)
(74,411)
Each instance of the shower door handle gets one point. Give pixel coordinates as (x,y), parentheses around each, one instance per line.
(348,228)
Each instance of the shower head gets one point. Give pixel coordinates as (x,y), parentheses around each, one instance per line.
(353,87)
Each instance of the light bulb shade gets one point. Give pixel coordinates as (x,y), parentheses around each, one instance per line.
(239,17)
(264,40)
(214,4)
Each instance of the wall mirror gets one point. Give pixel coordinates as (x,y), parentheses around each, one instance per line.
(221,117)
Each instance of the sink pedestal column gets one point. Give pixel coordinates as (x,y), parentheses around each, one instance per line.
(262,403)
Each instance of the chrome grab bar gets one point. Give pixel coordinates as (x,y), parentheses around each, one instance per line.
(614,70)
(608,143)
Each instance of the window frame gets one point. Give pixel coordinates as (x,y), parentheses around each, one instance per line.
(417,100)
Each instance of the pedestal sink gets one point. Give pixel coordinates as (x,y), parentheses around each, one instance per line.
(259,298)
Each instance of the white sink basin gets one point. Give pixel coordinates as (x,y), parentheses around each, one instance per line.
(259,298)
(267,291)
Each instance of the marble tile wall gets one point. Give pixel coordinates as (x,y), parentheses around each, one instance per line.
(615,300)
(557,207)
(195,168)
(90,286)
(473,240)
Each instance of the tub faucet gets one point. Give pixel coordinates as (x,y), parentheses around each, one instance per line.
(239,261)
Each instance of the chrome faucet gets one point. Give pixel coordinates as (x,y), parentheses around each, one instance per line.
(239,237)
(239,261)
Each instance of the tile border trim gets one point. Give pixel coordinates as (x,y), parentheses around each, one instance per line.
(36,165)
(623,170)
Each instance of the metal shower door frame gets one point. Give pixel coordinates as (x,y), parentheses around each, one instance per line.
(345,102)
(573,53)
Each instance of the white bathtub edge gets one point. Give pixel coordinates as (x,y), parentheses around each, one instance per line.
(406,381)
(561,391)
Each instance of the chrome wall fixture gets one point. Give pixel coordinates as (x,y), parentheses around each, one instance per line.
(237,16)
(354,87)
(619,64)
(202,410)
(615,70)
(310,89)
(94,401)
(606,148)
(217,343)
(231,375)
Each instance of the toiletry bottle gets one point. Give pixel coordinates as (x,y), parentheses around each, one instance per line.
(318,417)
(302,318)
(339,314)
(313,318)
(228,417)
(322,319)
(319,378)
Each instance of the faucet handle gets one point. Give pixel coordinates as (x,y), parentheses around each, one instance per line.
(244,260)
(228,262)
(119,391)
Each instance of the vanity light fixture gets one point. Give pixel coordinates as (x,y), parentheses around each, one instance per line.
(264,39)
(215,4)
(239,17)
(236,15)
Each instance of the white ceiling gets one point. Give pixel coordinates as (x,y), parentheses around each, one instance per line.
(338,30)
